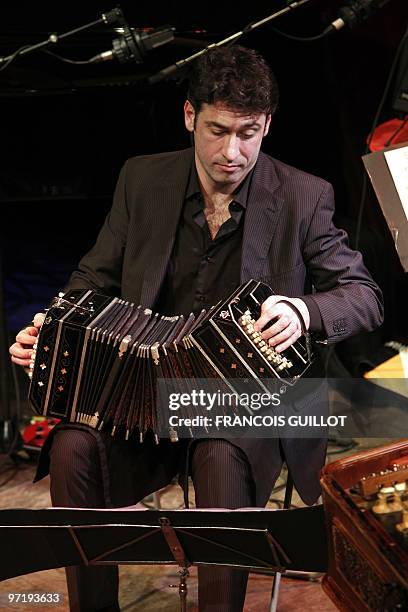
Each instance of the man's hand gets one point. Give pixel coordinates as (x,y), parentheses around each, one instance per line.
(286,328)
(22,349)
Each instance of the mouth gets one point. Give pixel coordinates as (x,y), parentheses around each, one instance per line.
(228,167)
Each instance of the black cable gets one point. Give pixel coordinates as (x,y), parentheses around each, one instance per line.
(13,57)
(301,38)
(371,134)
(69,61)
(386,88)
(376,118)
(181,65)
(397,131)
(248,28)
(109,18)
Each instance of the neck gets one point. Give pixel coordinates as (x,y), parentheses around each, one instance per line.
(216,198)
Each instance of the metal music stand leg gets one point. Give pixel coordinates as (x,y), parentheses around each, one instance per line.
(180,557)
(277,576)
(182,589)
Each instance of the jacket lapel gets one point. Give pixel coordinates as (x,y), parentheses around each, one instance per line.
(261,218)
(167,198)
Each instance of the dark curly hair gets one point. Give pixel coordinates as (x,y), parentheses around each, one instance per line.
(237,76)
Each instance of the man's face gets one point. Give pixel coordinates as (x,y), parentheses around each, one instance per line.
(227,143)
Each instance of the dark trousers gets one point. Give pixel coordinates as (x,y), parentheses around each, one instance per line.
(222,478)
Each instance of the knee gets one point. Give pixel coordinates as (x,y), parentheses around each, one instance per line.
(75,473)
(218,455)
(221,475)
(72,448)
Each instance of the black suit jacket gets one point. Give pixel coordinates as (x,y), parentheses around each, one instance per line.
(289,242)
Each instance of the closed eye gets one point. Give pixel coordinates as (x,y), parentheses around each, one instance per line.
(247,135)
(218,132)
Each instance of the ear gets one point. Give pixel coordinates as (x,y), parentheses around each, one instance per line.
(267,124)
(189,116)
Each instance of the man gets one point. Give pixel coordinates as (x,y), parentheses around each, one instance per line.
(184,230)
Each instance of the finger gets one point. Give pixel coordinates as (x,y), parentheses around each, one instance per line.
(280,323)
(283,335)
(38,319)
(269,315)
(267,312)
(284,345)
(21,362)
(16,350)
(27,336)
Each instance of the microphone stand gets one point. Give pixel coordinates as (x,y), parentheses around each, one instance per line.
(174,68)
(8,421)
(109,18)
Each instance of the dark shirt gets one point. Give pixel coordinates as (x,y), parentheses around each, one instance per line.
(203,271)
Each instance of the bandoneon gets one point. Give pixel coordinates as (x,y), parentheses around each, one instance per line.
(98,358)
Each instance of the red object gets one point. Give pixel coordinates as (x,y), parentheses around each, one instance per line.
(389,133)
(36,433)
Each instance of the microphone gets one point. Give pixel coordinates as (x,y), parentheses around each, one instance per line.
(355,12)
(133,44)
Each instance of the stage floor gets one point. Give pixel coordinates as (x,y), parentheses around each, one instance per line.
(146,588)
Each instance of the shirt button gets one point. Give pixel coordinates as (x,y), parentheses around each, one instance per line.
(201,298)
(207,258)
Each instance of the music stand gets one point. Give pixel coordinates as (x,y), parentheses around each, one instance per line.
(252,539)
(388,197)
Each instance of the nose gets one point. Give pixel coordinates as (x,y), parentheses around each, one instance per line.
(230,147)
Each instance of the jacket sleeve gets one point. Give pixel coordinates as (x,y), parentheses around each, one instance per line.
(101,268)
(348,299)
